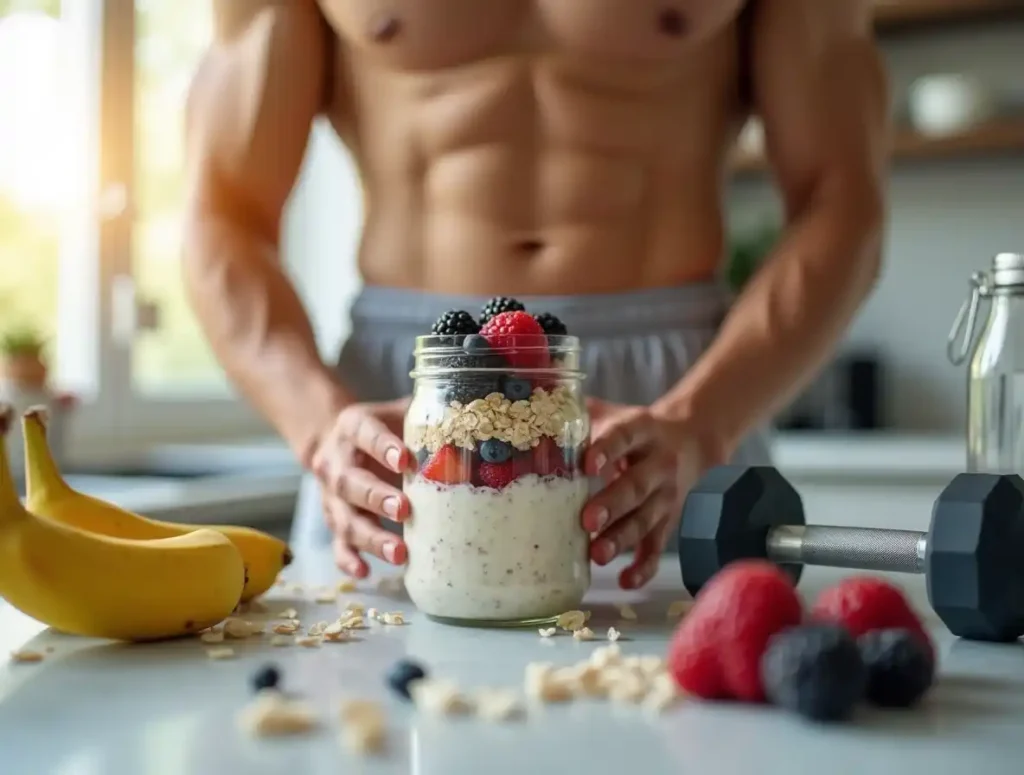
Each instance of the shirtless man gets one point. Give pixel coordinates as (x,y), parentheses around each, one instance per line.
(573,150)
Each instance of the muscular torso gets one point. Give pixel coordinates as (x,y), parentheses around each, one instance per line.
(537,146)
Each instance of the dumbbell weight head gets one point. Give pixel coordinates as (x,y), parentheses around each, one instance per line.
(975,557)
(727,516)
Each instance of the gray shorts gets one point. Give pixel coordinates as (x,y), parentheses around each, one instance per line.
(635,347)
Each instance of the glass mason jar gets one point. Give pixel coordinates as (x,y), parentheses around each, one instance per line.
(495,535)
(995,383)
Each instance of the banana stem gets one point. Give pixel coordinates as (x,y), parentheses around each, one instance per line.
(10,504)
(41,471)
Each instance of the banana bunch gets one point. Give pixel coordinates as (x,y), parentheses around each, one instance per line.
(89,584)
(48,495)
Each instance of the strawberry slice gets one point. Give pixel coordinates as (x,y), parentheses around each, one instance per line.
(549,459)
(497,475)
(447,466)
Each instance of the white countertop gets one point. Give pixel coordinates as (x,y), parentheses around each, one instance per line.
(93,708)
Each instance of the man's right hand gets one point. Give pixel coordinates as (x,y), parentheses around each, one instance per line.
(359,464)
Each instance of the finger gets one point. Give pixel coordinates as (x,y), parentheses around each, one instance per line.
(347,559)
(620,438)
(627,532)
(365,491)
(372,436)
(623,495)
(646,558)
(366,535)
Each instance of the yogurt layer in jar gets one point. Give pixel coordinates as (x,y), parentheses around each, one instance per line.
(498,424)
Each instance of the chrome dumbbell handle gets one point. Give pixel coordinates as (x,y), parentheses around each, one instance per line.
(898,551)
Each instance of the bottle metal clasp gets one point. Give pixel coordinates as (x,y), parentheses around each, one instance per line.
(966,319)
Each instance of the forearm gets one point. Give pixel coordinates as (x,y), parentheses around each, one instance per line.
(784,324)
(259,331)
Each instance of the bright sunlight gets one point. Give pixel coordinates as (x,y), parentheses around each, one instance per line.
(39,169)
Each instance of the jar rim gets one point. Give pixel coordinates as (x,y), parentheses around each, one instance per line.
(433,356)
(447,344)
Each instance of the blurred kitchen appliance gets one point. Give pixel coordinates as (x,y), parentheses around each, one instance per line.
(848,395)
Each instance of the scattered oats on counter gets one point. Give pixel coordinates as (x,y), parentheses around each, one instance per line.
(281,640)
(288,613)
(613,634)
(271,714)
(571,620)
(309,642)
(372,613)
(542,682)
(547,633)
(498,705)
(240,629)
(354,622)
(438,697)
(326,597)
(335,633)
(364,727)
(678,608)
(356,609)
(346,586)
(627,687)
(606,656)
(26,656)
(651,664)
(317,629)
(663,694)
(225,652)
(583,633)
(285,628)
(395,618)
(626,612)
(212,636)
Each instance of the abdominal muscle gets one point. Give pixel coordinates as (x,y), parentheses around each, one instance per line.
(532,179)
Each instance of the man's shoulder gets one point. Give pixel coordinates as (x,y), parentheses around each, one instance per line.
(232,18)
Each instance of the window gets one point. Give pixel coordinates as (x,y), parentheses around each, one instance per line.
(92,96)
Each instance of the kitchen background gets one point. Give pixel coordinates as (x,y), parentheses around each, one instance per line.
(90,299)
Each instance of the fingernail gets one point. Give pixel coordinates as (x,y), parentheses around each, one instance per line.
(599,463)
(600,519)
(391,505)
(389,552)
(394,458)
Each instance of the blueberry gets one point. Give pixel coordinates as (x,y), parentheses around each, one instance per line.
(814,670)
(475,344)
(495,451)
(267,677)
(516,389)
(900,667)
(402,674)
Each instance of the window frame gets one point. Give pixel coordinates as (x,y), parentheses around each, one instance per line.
(114,413)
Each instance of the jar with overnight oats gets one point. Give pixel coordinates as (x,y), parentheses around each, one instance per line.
(498,425)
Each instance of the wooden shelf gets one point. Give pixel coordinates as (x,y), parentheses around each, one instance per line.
(904,14)
(1005,136)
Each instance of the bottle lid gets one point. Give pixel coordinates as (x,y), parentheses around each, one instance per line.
(1008,269)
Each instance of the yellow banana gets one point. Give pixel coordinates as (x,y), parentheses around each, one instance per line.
(87,584)
(48,495)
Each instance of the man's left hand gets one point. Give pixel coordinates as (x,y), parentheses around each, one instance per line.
(648,464)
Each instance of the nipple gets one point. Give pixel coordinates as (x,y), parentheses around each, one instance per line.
(671,22)
(384,28)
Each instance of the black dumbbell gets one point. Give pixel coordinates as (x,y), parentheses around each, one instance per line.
(972,555)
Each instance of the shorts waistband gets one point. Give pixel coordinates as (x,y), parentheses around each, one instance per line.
(686,307)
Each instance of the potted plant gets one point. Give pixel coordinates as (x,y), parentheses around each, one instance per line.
(22,359)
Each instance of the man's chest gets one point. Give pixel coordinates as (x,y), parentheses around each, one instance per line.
(435,35)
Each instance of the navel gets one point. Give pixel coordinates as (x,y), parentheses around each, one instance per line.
(529,247)
(384,28)
(671,22)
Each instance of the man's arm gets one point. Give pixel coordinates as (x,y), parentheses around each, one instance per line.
(249,114)
(820,88)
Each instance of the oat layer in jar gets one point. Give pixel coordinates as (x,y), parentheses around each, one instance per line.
(498,425)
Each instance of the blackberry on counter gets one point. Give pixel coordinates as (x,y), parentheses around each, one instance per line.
(455,322)
(552,326)
(500,304)
(814,670)
(899,667)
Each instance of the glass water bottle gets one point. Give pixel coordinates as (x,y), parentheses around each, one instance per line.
(995,386)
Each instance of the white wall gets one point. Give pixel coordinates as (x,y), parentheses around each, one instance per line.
(947,219)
